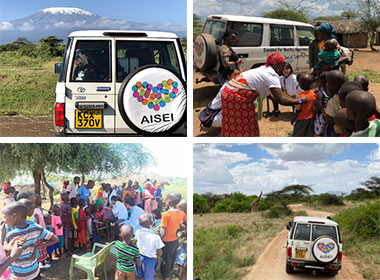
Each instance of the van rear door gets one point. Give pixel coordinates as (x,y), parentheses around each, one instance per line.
(304,36)
(90,91)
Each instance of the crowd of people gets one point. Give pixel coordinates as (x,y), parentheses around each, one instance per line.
(324,102)
(149,229)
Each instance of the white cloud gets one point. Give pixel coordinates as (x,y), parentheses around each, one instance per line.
(26,26)
(5,25)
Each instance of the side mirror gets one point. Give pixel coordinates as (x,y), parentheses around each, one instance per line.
(288,227)
(58,68)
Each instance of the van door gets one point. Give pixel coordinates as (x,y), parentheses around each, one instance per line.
(301,249)
(90,91)
(282,41)
(304,37)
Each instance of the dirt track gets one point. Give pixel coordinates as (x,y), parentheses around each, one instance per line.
(34,126)
(271,263)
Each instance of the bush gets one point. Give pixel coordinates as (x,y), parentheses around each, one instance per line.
(330,199)
(200,204)
(277,211)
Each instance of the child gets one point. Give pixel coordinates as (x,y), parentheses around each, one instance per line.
(158,193)
(289,83)
(127,255)
(94,220)
(150,245)
(99,215)
(56,224)
(345,89)
(335,79)
(74,217)
(346,126)
(360,106)
(9,195)
(156,224)
(320,105)
(26,266)
(303,120)
(329,55)
(51,248)
(363,81)
(67,221)
(14,250)
(181,257)
(171,222)
(87,210)
(39,218)
(82,227)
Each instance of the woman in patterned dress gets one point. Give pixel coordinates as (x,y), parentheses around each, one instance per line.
(239,117)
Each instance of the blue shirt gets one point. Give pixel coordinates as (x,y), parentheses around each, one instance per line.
(133,220)
(84,193)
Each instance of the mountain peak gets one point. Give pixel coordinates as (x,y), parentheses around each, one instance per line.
(66,11)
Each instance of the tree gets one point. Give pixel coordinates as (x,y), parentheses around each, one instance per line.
(296,192)
(197,24)
(288,13)
(373,184)
(349,14)
(369,13)
(200,204)
(327,18)
(21,41)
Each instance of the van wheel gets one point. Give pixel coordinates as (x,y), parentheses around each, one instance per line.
(152,100)
(205,52)
(289,268)
(325,249)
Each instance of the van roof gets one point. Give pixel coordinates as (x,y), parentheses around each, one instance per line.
(258,20)
(308,220)
(129,33)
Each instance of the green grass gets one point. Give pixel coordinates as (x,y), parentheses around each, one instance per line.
(27,85)
(372,76)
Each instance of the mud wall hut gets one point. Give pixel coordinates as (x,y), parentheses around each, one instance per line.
(349,33)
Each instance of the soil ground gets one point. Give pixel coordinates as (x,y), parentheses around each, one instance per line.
(271,263)
(277,126)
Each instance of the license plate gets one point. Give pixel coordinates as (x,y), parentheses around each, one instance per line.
(88,119)
(300,254)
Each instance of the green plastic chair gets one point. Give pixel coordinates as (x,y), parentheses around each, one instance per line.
(113,250)
(106,228)
(90,261)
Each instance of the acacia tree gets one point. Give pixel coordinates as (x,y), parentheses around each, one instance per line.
(373,184)
(369,13)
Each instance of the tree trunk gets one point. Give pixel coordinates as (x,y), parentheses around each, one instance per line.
(51,190)
(37,182)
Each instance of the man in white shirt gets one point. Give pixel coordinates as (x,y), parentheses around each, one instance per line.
(72,188)
(136,212)
(120,214)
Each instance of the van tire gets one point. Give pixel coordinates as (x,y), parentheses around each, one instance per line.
(205,52)
(331,240)
(124,114)
(289,268)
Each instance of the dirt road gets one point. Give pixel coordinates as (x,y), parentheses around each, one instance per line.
(271,263)
(19,126)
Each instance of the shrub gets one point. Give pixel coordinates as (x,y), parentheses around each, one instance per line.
(237,202)
(200,204)
(330,199)
(277,211)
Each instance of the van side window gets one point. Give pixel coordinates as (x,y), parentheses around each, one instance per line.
(304,35)
(302,232)
(207,26)
(248,34)
(131,55)
(217,30)
(281,35)
(91,61)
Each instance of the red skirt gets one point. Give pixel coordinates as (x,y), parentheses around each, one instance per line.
(42,252)
(238,110)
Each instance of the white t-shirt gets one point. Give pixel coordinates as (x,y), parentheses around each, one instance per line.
(290,84)
(72,190)
(148,242)
(262,79)
(120,211)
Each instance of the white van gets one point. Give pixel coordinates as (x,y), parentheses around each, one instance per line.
(256,38)
(121,83)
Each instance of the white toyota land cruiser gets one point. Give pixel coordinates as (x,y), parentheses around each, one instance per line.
(121,83)
(313,244)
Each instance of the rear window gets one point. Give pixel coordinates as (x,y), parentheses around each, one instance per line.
(319,230)
(91,61)
(248,34)
(281,35)
(134,54)
(302,232)
(304,35)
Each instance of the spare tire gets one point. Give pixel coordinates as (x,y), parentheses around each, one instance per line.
(205,52)
(152,100)
(325,249)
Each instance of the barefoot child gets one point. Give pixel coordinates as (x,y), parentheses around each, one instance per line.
(127,255)
(171,222)
(82,225)
(150,245)
(56,224)
(67,221)
(26,266)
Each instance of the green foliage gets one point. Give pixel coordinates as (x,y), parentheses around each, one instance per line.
(288,13)
(238,202)
(373,185)
(361,194)
(369,13)
(200,204)
(327,18)
(212,198)
(349,14)
(277,211)
(197,25)
(330,199)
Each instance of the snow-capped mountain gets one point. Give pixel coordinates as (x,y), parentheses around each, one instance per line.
(61,21)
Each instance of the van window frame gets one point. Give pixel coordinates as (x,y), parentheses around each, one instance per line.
(303,28)
(109,61)
(65,61)
(246,22)
(287,26)
(298,225)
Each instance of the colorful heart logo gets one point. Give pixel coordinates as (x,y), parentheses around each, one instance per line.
(155,97)
(199,48)
(325,248)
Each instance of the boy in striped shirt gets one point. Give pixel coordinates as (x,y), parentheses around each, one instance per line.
(127,255)
(26,266)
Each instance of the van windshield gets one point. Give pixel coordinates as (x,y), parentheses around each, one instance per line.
(134,54)
(248,34)
(319,230)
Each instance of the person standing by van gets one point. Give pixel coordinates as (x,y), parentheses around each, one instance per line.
(227,56)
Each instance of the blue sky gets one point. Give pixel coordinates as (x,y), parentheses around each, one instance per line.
(251,168)
(146,11)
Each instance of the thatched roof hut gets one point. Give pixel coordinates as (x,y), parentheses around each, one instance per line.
(349,33)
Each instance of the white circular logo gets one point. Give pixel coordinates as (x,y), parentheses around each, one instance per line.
(325,249)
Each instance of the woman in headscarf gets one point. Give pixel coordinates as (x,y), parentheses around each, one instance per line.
(239,117)
(324,32)
(227,57)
